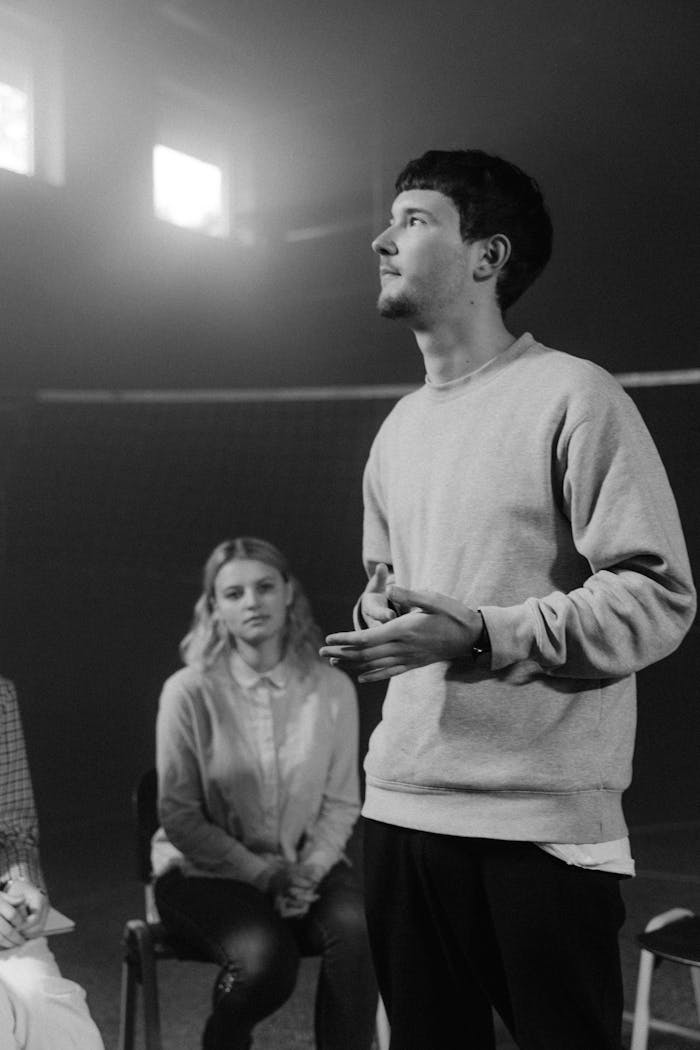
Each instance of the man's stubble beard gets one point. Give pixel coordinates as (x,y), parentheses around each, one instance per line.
(397,307)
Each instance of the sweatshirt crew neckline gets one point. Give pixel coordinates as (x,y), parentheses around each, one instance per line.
(484,374)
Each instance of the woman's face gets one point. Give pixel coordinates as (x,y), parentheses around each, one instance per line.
(251,599)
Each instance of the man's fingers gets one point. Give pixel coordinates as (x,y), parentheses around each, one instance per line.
(382,673)
(339,655)
(379,578)
(389,639)
(366,655)
(346,640)
(394,631)
(341,652)
(376,609)
(430,601)
(380,665)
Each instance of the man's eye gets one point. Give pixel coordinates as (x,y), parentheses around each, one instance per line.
(415,220)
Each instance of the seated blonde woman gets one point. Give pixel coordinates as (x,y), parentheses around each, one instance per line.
(258,794)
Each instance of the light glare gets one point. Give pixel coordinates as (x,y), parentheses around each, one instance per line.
(188,192)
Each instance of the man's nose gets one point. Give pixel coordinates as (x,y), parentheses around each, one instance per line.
(383,244)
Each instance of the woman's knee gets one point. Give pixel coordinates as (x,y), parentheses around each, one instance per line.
(262,966)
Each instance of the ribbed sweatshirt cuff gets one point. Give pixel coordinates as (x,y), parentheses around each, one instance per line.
(511,631)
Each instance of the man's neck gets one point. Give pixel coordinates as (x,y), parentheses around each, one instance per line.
(454,348)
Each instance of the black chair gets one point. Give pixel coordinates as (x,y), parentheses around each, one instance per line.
(673,936)
(145,941)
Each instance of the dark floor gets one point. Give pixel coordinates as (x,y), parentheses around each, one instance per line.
(90,872)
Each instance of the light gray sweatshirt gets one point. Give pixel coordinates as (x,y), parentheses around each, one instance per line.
(530,489)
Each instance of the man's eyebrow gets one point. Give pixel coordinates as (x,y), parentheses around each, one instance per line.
(404,209)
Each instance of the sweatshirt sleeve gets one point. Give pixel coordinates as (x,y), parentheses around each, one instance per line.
(639,600)
(341,796)
(181,802)
(376,545)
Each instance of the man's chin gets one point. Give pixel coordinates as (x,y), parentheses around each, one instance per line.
(394,307)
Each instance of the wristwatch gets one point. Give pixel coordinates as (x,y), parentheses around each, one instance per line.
(482,646)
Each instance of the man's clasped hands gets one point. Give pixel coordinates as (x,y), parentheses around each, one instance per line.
(405,629)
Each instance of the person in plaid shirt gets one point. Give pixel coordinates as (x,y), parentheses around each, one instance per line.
(39,1009)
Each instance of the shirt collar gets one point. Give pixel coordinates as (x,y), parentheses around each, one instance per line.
(248,677)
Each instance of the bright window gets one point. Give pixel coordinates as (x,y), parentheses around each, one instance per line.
(188,191)
(16,146)
(31,96)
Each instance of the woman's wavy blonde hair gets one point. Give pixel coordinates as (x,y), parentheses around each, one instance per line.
(208,637)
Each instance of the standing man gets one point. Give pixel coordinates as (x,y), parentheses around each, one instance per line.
(39,1009)
(525,558)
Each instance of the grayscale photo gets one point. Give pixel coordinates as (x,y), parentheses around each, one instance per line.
(349,525)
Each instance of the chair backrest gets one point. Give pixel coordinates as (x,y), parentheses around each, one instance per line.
(145,805)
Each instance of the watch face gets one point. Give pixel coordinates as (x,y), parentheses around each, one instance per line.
(481,647)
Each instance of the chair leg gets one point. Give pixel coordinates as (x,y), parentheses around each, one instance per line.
(383,1030)
(695,978)
(642,1017)
(149,985)
(640,1026)
(127,1014)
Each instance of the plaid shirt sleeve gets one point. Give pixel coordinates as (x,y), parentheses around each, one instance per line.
(19,827)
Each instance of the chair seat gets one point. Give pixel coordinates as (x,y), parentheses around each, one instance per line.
(162,944)
(677,941)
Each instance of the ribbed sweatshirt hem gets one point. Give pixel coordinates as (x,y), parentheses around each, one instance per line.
(589,815)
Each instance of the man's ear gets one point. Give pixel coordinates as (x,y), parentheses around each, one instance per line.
(494,254)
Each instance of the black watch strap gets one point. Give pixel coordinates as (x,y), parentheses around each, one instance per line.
(482,645)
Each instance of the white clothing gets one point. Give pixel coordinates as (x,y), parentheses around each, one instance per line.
(40,1009)
(614,856)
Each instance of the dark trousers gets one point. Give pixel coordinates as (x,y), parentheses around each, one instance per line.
(459,925)
(235,925)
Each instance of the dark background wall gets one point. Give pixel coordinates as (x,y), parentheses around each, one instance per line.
(109,509)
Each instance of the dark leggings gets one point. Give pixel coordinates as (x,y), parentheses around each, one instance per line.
(235,926)
(459,925)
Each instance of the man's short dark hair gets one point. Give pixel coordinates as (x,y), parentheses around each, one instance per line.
(492,196)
